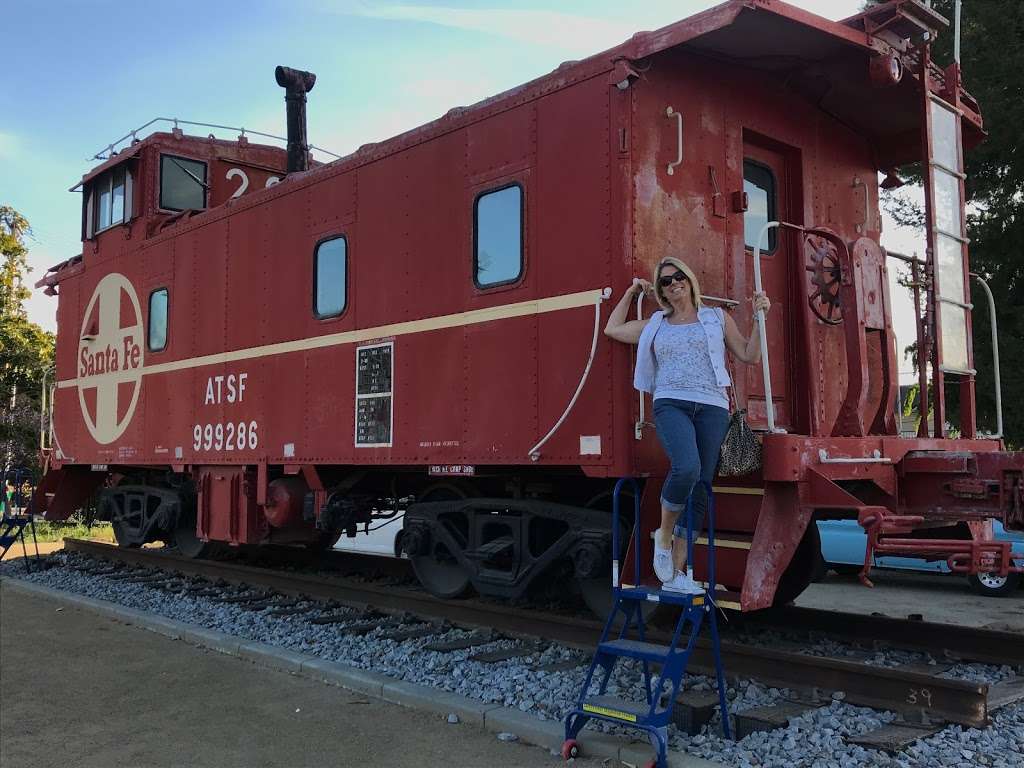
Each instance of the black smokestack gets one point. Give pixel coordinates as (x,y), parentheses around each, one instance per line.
(296,84)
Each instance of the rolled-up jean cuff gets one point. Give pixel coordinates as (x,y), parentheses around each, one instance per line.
(677,508)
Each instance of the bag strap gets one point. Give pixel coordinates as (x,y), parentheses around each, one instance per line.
(733,405)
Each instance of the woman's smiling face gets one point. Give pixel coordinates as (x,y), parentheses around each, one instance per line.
(678,284)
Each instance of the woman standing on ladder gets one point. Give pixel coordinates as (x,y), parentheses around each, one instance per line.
(681,361)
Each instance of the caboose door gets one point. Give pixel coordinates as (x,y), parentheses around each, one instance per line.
(767,182)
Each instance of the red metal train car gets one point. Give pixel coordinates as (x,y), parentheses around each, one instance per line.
(253,350)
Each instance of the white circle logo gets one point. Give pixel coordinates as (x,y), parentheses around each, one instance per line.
(110,358)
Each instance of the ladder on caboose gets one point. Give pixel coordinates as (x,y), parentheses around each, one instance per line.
(654,713)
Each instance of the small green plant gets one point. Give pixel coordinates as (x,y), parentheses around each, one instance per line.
(73,528)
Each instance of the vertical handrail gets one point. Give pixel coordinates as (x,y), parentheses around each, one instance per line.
(766,370)
(42,411)
(995,352)
(638,431)
(615,530)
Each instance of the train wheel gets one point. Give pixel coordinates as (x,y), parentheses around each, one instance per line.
(124,523)
(439,571)
(185,539)
(801,569)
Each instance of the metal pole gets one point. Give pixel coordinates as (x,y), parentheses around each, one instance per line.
(995,353)
(769,405)
(956,33)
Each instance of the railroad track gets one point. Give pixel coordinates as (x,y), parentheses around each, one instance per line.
(920,696)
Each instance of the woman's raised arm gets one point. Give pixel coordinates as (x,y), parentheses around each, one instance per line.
(747,350)
(618,327)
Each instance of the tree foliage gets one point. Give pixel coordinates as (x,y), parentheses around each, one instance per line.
(992,58)
(26,350)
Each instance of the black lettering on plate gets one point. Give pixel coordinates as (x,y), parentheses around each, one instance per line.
(373,373)
(373,394)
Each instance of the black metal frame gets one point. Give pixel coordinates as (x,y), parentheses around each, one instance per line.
(149,320)
(586,539)
(522,235)
(316,264)
(160,186)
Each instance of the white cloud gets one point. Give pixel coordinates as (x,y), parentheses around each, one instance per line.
(537,27)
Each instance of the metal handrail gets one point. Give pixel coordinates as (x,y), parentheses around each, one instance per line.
(766,371)
(995,352)
(109,149)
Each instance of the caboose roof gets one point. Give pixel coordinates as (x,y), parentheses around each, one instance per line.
(824,61)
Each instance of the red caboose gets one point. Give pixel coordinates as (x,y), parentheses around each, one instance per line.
(270,352)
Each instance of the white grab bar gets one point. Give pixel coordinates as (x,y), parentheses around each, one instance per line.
(766,370)
(876,457)
(995,353)
(670,113)
(534,452)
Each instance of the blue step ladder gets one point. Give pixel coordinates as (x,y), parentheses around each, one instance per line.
(13,525)
(661,689)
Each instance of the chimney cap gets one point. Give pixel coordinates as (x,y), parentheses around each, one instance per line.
(295,79)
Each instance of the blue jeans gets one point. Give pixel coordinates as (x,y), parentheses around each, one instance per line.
(692,435)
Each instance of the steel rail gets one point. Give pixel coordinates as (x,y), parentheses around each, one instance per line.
(918,697)
(942,641)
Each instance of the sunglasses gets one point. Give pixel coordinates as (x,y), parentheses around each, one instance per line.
(667,280)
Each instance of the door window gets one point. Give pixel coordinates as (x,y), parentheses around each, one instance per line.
(759,184)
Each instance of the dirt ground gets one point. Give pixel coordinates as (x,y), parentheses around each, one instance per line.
(77,689)
(941,598)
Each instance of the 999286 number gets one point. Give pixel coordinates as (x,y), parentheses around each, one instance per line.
(230,436)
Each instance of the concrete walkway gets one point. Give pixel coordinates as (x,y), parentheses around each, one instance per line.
(77,689)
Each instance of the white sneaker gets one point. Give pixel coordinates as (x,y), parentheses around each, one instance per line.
(663,567)
(683,583)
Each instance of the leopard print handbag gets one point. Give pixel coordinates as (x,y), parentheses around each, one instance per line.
(741,450)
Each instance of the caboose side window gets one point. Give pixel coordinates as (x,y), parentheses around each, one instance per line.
(157,320)
(759,184)
(182,183)
(109,199)
(498,236)
(330,265)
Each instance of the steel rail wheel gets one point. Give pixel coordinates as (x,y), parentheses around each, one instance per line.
(439,571)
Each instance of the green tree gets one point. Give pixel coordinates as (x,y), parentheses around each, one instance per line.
(26,350)
(992,53)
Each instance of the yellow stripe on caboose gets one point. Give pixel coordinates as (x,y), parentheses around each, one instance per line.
(440,322)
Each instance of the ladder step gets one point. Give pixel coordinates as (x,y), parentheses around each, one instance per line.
(614,707)
(637,649)
(6,541)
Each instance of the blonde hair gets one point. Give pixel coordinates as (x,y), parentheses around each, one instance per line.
(671,261)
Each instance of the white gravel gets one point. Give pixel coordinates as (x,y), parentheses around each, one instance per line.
(814,740)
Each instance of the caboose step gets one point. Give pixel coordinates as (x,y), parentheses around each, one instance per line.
(637,649)
(614,707)
(491,549)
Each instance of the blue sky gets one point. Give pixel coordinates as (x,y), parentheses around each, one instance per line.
(85,73)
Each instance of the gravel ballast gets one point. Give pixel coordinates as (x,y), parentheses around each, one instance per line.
(812,740)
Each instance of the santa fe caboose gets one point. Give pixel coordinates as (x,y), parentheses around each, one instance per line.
(254,350)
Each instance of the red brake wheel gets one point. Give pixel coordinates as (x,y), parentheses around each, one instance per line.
(570,749)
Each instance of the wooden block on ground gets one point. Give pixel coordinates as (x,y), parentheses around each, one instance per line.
(767,718)
(693,710)
(893,738)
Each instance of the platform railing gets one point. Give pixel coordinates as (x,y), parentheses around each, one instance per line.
(766,368)
(995,352)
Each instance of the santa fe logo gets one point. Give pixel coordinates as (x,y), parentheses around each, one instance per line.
(110,358)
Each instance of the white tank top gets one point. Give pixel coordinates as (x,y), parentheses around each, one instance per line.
(683,368)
